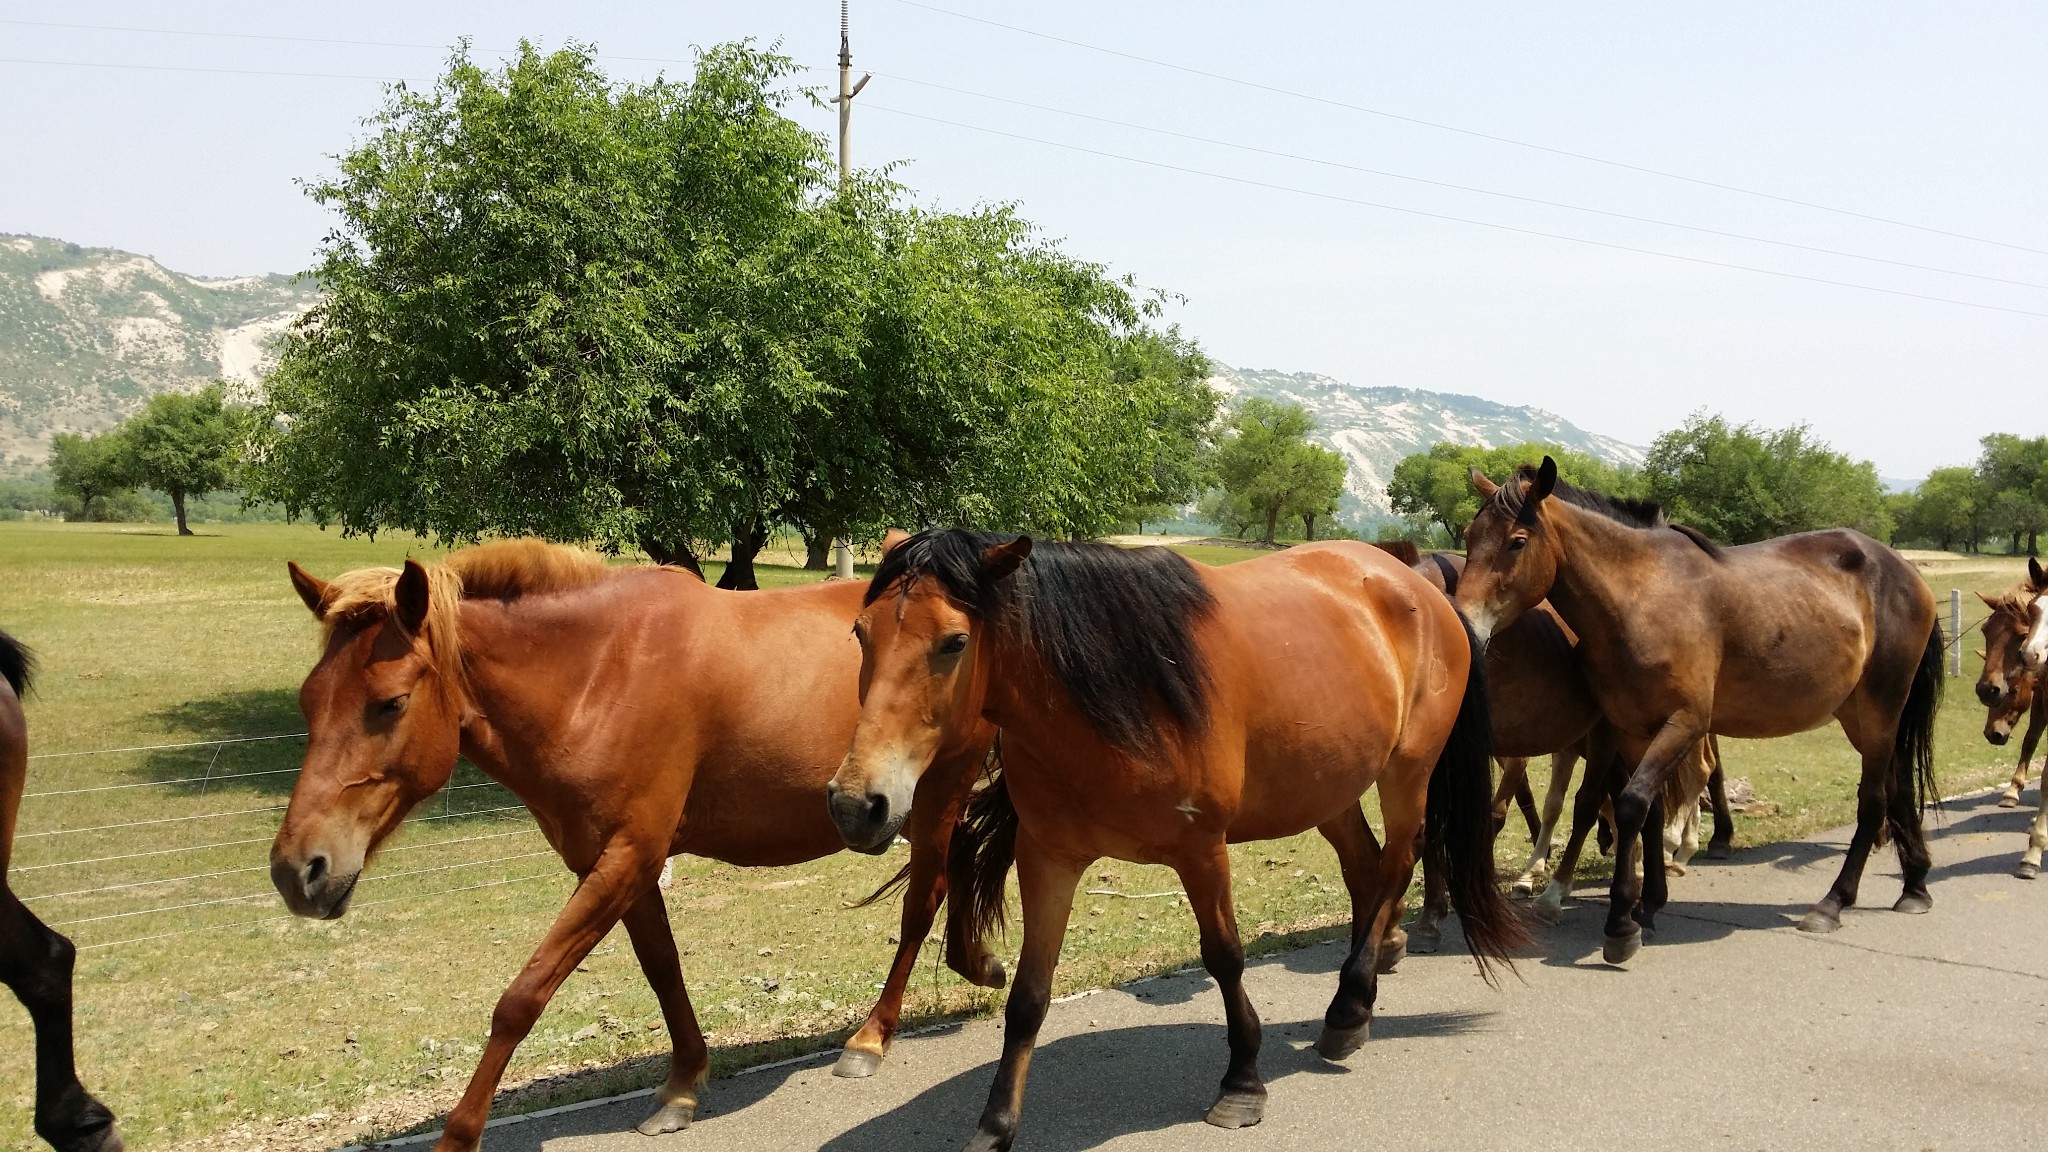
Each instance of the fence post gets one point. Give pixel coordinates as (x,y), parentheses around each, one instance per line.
(1955,631)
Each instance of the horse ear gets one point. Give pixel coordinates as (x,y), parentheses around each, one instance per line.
(999,560)
(1546,482)
(310,588)
(893,539)
(1988,601)
(1480,484)
(2034,573)
(411,595)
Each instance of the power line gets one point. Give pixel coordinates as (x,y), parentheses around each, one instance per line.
(1245,180)
(219,71)
(299,39)
(1565,152)
(1459,187)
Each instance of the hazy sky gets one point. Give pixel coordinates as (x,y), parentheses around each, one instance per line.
(1930,114)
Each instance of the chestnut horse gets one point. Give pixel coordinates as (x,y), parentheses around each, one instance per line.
(2006,686)
(35,962)
(1680,638)
(1156,710)
(638,714)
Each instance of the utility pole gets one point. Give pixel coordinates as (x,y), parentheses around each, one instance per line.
(842,549)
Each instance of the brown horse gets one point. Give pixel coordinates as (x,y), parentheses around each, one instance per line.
(1680,638)
(35,962)
(638,714)
(2006,687)
(1156,710)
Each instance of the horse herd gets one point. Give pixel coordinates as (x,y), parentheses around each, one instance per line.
(998,703)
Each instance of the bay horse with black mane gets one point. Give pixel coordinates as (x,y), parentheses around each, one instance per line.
(35,961)
(637,714)
(1153,709)
(2006,687)
(1681,638)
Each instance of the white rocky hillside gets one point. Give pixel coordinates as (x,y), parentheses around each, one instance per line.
(87,335)
(1375,427)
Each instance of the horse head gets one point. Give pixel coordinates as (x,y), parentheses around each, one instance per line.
(383,712)
(2006,686)
(922,680)
(1511,557)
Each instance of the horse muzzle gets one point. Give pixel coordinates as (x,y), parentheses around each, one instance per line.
(311,888)
(867,820)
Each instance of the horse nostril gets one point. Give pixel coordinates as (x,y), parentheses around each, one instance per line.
(315,872)
(878,811)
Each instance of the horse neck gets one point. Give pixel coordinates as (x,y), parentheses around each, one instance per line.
(514,692)
(1599,571)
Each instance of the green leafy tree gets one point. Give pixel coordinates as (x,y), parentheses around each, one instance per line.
(86,472)
(185,444)
(1740,484)
(1435,487)
(2014,471)
(1269,469)
(1950,507)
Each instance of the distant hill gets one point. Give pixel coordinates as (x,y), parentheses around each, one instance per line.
(1375,427)
(88,334)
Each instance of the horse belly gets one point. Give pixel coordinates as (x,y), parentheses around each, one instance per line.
(1305,767)
(756,811)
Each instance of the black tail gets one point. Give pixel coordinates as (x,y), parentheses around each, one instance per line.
(892,884)
(17,664)
(988,835)
(1913,747)
(1460,825)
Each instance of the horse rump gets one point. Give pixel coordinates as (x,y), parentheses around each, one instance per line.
(1459,825)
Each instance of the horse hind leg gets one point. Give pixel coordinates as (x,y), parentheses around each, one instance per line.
(36,964)
(1358,858)
(1536,873)
(1549,907)
(1241,1098)
(2037,839)
(1348,1021)
(1426,935)
(654,944)
(1722,845)
(1871,803)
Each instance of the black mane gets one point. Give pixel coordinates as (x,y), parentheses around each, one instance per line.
(1634,513)
(1114,625)
(17,664)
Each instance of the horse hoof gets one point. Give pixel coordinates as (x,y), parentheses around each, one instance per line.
(1425,939)
(857,1064)
(1619,949)
(986,1142)
(1820,922)
(1720,850)
(993,975)
(671,1117)
(1237,1110)
(1914,904)
(1547,910)
(1523,887)
(2027,871)
(1337,1043)
(1392,952)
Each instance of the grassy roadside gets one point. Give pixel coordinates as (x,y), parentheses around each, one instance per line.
(220,1023)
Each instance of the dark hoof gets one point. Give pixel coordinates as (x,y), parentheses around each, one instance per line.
(2027,871)
(1237,1110)
(1619,949)
(1821,921)
(1392,952)
(988,1142)
(1914,904)
(1425,939)
(94,1137)
(1720,850)
(671,1117)
(1337,1043)
(857,1064)
(993,975)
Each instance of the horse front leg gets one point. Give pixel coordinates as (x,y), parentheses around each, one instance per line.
(602,896)
(1046,884)
(1537,871)
(1241,1099)
(1722,845)
(1634,805)
(2037,717)
(36,963)
(1593,786)
(654,944)
(2037,839)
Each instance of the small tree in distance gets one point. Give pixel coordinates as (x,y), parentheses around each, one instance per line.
(185,444)
(90,470)
(1268,468)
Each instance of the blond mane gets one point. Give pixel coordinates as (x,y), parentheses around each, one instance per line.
(500,570)
(2016,602)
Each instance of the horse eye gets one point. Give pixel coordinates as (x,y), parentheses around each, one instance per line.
(393,706)
(1517,543)
(953,645)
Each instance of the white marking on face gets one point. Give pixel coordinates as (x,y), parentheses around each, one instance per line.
(2036,647)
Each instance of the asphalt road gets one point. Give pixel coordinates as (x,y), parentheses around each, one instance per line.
(1731,1030)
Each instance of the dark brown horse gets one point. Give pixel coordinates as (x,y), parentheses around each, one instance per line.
(2006,687)
(1680,638)
(35,962)
(1156,710)
(637,714)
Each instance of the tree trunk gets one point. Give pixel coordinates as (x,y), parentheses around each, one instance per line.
(178,502)
(817,552)
(672,554)
(2014,550)
(1308,525)
(747,542)
(2032,539)
(1272,522)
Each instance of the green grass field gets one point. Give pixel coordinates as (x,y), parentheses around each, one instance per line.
(207,1014)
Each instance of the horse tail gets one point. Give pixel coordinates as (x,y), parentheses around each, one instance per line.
(892,884)
(987,838)
(17,664)
(1459,824)
(1913,747)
